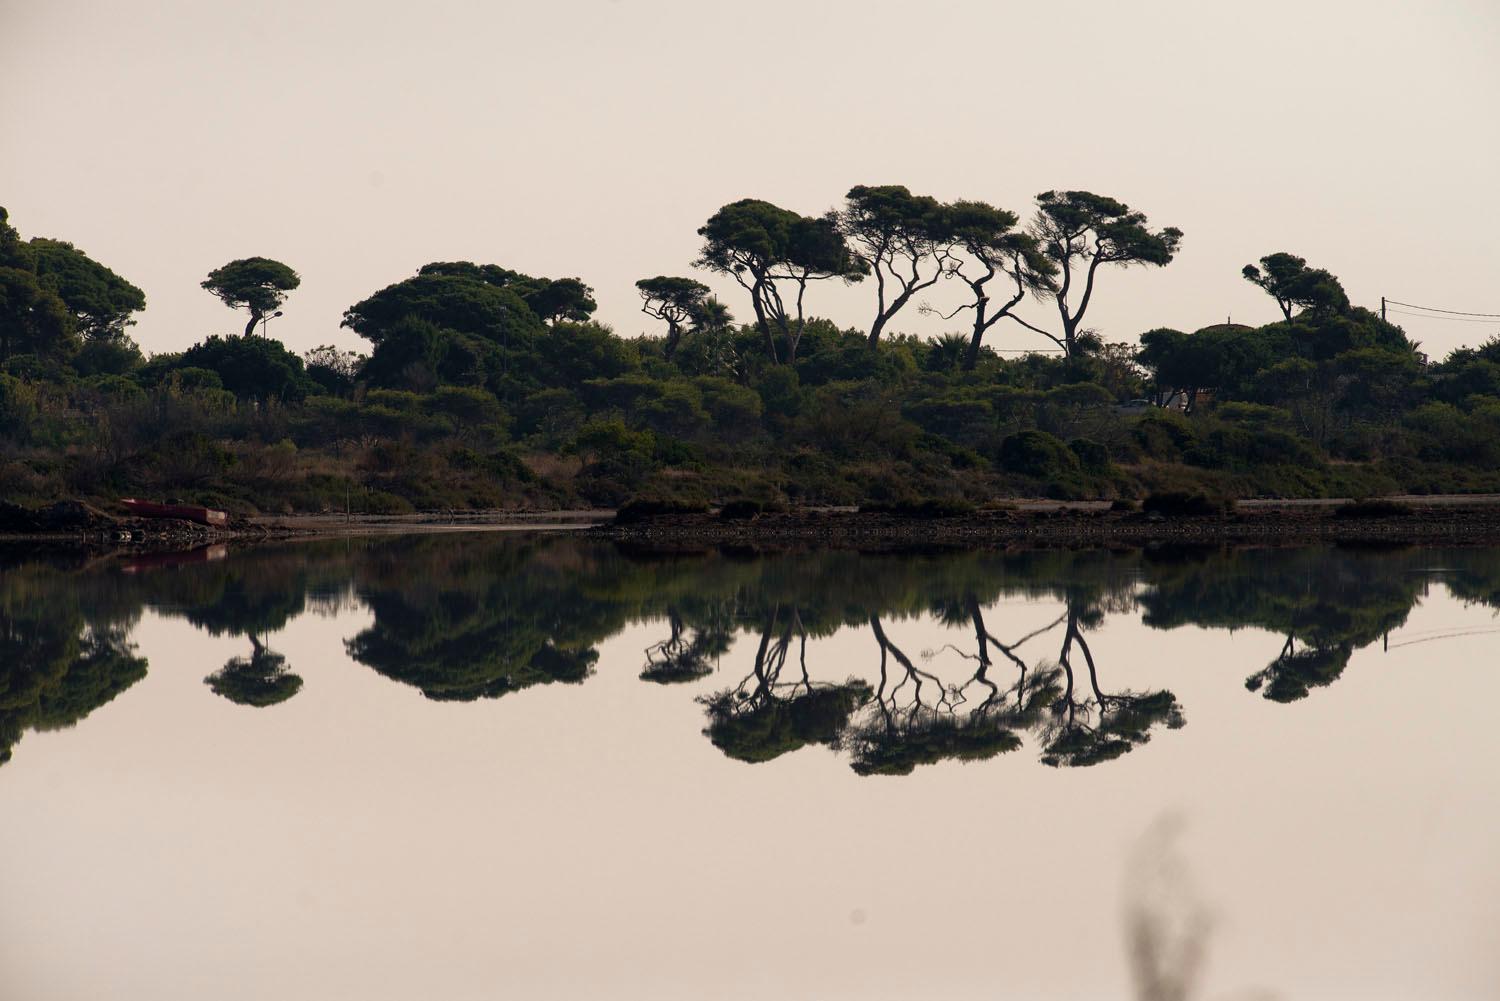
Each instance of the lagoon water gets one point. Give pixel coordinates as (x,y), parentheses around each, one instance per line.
(495,766)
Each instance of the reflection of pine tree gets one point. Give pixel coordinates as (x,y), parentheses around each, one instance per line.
(686,654)
(106,665)
(916,720)
(1085,731)
(763,717)
(1330,601)
(1293,673)
(260,680)
(482,621)
(57,664)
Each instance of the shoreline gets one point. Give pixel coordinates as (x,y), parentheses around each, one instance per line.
(1438,519)
(1438,523)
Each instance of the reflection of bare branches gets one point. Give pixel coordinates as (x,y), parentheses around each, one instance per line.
(912,675)
(683,656)
(1167,926)
(1088,731)
(984,640)
(770,658)
(916,719)
(764,717)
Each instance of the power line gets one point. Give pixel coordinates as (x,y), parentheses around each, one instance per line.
(1450,319)
(1450,312)
(1456,634)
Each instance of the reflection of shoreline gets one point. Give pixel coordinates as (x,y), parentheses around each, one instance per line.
(1458,519)
(152,561)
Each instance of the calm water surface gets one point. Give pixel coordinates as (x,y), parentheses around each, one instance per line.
(483,766)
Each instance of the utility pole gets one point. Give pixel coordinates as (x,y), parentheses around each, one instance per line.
(1382,309)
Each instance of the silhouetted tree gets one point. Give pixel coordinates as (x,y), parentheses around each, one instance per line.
(675,300)
(557,299)
(33,319)
(993,247)
(760,246)
(1080,232)
(1294,673)
(917,720)
(258,284)
(1287,279)
(904,240)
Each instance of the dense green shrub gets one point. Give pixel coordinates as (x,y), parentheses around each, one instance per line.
(1040,455)
(251,367)
(1092,456)
(18,408)
(967,419)
(1164,435)
(108,357)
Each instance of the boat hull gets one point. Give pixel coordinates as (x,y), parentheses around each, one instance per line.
(180,512)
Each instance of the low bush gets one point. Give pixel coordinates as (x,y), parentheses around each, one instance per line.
(1374,507)
(743,509)
(646,508)
(1179,504)
(921,507)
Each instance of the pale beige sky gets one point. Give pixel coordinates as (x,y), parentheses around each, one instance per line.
(358,140)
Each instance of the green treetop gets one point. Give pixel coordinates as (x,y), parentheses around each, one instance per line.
(100,300)
(1080,232)
(1287,279)
(258,284)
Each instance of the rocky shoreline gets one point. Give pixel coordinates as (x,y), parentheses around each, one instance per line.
(1431,521)
(1069,526)
(79,526)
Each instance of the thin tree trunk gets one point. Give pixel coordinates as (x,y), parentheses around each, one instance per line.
(763,323)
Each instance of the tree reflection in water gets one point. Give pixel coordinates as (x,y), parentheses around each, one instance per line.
(485,616)
(1086,731)
(687,654)
(260,680)
(764,717)
(64,650)
(917,720)
(1294,672)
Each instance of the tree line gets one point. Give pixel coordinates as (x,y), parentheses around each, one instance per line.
(486,386)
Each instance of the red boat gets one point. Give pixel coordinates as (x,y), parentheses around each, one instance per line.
(181,512)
